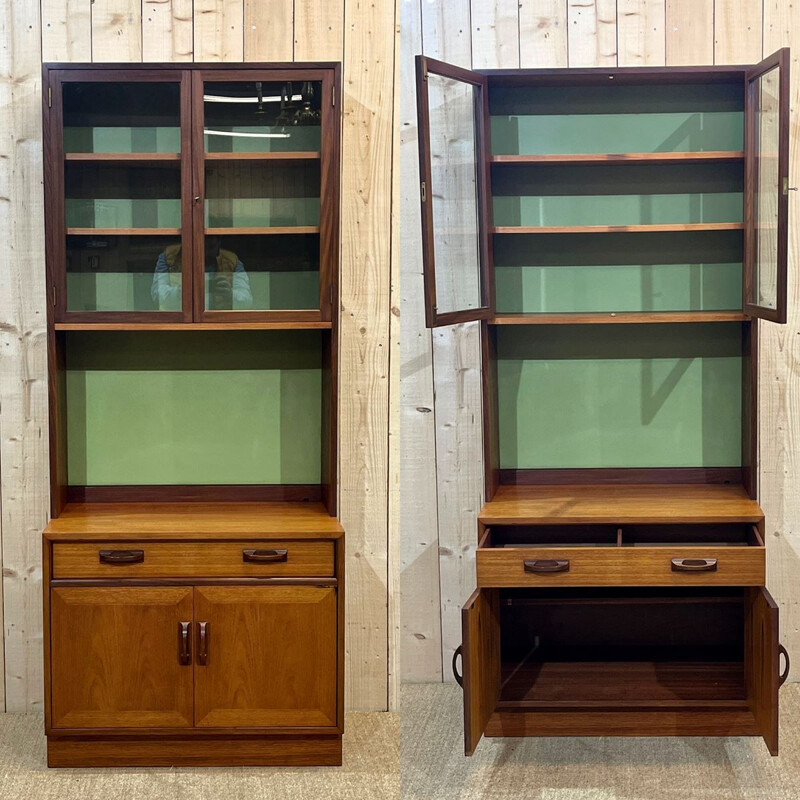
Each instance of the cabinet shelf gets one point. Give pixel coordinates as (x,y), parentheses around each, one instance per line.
(193,326)
(671,227)
(288,156)
(716,156)
(145,159)
(608,317)
(298,229)
(123,231)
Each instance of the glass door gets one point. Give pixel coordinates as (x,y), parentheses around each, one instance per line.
(265,144)
(451,108)
(767,187)
(121,183)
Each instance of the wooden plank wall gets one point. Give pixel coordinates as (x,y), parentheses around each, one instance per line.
(363,36)
(442,438)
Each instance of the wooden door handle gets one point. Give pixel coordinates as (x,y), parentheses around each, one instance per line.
(545,565)
(202,643)
(785,674)
(184,643)
(264,556)
(121,556)
(694,564)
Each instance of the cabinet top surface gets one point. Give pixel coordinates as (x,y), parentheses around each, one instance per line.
(193,520)
(640,504)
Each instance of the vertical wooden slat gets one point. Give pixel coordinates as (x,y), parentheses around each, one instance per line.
(640,33)
(779,355)
(117,30)
(737,31)
(421,640)
(167,33)
(66,30)
(23,360)
(690,32)
(269,30)
(495,33)
(592,33)
(543,33)
(218,30)
(318,30)
(364,378)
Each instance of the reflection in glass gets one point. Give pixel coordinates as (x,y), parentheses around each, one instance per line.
(257,116)
(121,117)
(765,285)
(454,193)
(115,273)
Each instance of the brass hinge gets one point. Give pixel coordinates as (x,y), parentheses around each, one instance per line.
(49,97)
(787,188)
(54,296)
(423,192)
(333,95)
(424,70)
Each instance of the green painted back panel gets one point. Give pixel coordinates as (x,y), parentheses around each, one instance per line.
(620,396)
(123,213)
(121,139)
(294,139)
(690,271)
(616,195)
(262,212)
(616,119)
(194,407)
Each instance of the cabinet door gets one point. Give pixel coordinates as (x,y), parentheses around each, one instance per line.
(118,195)
(266,656)
(118,658)
(265,146)
(452,109)
(480,629)
(762,663)
(767,187)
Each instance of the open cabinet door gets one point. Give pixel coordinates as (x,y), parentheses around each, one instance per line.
(480,628)
(456,213)
(762,663)
(767,187)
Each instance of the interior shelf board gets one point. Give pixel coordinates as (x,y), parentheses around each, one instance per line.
(711,156)
(298,155)
(123,158)
(298,229)
(665,228)
(123,231)
(619,317)
(193,326)
(620,504)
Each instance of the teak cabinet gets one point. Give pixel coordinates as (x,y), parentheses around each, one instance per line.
(193,564)
(618,233)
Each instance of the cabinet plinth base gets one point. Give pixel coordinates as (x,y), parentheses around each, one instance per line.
(242,751)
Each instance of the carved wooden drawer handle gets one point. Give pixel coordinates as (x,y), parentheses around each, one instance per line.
(121,556)
(694,564)
(202,643)
(184,643)
(458,652)
(264,556)
(545,565)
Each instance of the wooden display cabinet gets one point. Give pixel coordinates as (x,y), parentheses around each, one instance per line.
(193,565)
(618,233)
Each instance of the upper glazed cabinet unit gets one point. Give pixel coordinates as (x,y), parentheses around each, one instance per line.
(192,195)
(619,195)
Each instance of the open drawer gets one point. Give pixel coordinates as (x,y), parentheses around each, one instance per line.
(624,555)
(621,662)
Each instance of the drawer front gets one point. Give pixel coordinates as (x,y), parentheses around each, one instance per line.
(290,559)
(621,566)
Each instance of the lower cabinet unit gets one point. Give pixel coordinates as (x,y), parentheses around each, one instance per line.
(194,668)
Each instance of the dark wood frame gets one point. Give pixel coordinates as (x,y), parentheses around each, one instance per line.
(777,61)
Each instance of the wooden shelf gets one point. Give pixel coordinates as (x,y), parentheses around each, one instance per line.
(676,227)
(123,158)
(123,231)
(620,504)
(607,317)
(289,156)
(297,229)
(191,326)
(716,156)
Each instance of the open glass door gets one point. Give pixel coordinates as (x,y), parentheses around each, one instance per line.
(451,107)
(767,187)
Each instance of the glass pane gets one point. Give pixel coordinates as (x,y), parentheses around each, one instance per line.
(122,117)
(260,117)
(767,190)
(124,273)
(117,196)
(454,193)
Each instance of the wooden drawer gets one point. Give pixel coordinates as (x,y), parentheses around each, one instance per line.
(629,555)
(133,559)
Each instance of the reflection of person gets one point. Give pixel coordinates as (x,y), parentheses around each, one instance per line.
(228,286)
